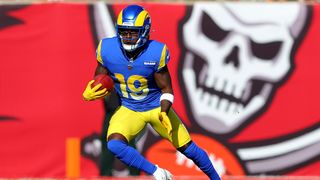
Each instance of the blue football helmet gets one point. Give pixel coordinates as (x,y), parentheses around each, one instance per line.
(133,27)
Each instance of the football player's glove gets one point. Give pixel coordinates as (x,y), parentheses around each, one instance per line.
(165,121)
(94,93)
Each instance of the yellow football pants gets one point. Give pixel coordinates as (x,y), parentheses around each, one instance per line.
(130,123)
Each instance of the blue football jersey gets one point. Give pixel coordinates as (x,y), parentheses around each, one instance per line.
(134,79)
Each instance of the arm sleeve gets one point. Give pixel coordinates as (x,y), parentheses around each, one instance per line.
(164,59)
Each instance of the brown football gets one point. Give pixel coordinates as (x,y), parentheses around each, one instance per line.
(105,80)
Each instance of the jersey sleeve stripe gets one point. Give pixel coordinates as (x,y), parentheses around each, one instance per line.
(98,53)
(162,62)
(141,17)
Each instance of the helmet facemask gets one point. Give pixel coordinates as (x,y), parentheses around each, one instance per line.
(132,38)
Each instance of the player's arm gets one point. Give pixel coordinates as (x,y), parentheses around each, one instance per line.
(100,70)
(163,81)
(93,93)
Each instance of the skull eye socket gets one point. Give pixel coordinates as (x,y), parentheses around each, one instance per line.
(266,51)
(211,29)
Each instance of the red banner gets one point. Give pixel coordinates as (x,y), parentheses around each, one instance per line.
(244,75)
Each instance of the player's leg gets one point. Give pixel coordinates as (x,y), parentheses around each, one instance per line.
(181,140)
(200,158)
(124,126)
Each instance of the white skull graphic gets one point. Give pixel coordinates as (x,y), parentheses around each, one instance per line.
(237,54)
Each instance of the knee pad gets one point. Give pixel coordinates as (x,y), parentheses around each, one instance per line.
(116,146)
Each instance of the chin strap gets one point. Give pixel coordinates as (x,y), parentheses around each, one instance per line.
(140,42)
(129,48)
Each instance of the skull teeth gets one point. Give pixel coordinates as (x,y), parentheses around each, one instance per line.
(211,101)
(226,87)
(206,98)
(247,91)
(214,101)
(238,92)
(229,88)
(219,84)
(224,103)
(232,108)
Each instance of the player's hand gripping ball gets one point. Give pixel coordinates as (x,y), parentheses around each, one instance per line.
(98,88)
(105,80)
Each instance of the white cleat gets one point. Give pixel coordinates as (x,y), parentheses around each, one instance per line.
(162,174)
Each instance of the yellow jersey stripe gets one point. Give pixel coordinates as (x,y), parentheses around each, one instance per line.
(119,21)
(141,17)
(99,58)
(162,62)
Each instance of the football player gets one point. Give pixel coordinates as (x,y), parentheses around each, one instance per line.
(139,69)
